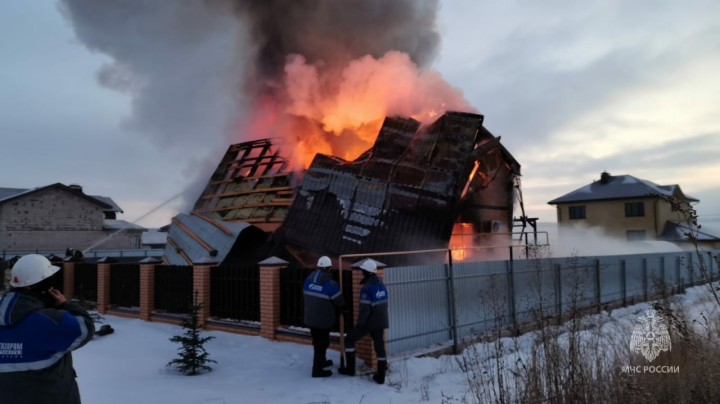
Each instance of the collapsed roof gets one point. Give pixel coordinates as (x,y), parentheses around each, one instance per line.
(405,193)
(251,184)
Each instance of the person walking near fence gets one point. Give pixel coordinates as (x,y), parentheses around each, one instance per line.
(323,301)
(38,330)
(372,319)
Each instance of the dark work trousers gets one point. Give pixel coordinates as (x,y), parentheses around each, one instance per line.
(377,336)
(321,342)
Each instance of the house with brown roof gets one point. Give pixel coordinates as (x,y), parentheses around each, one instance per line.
(57,217)
(631,208)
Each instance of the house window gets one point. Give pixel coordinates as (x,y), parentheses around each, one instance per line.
(635,209)
(136,242)
(577,212)
(635,235)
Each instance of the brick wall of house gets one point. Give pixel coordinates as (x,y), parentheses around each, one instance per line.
(52,209)
(55,219)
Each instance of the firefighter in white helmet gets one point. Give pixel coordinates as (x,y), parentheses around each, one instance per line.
(323,301)
(33,369)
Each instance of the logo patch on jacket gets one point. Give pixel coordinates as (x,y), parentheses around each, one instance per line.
(315,287)
(380,294)
(11,350)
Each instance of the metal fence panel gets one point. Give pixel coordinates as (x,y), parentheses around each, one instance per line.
(413,290)
(481,294)
(85,282)
(125,285)
(419,296)
(611,278)
(235,292)
(59,278)
(534,289)
(174,288)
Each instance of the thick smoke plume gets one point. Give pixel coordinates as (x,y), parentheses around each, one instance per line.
(320,73)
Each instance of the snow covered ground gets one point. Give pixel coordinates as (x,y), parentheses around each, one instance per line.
(129,367)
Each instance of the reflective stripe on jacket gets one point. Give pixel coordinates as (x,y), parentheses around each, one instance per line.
(373,304)
(35,344)
(322,296)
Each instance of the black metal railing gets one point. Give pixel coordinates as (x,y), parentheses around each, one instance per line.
(292,302)
(59,278)
(86,281)
(174,288)
(235,292)
(125,285)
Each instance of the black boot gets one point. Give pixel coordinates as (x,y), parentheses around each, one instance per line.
(349,369)
(379,377)
(328,363)
(318,365)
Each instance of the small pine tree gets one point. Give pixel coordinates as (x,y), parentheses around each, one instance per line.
(193,356)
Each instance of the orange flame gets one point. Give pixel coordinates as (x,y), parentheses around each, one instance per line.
(340,111)
(462,237)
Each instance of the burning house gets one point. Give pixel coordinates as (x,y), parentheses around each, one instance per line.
(448,183)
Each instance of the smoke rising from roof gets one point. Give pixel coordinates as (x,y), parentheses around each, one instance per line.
(201,74)
(336,32)
(186,64)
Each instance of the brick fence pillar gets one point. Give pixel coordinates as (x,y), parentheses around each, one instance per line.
(364,348)
(68,279)
(103,283)
(147,286)
(201,285)
(270,296)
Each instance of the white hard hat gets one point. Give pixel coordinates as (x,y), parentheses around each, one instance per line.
(369,266)
(32,269)
(324,262)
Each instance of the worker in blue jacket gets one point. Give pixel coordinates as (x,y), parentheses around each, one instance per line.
(323,301)
(38,330)
(372,319)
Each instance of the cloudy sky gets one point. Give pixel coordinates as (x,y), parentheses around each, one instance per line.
(573,88)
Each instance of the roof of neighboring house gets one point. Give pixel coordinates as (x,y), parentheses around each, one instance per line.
(8,194)
(193,238)
(153,236)
(112,224)
(676,230)
(108,201)
(620,187)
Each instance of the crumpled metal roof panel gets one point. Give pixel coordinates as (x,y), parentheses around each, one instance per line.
(404,193)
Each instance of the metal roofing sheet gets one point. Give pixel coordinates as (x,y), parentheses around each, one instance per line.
(10,192)
(352,207)
(108,201)
(206,231)
(619,187)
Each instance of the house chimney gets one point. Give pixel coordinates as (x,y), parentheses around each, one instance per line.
(75,187)
(605,177)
